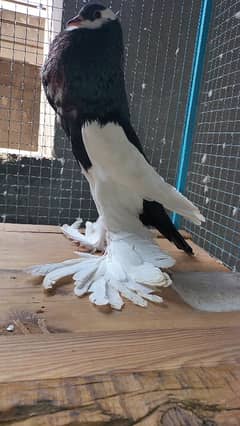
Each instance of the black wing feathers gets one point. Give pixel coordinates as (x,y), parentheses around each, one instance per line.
(155,215)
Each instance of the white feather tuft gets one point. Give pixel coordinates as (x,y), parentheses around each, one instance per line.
(120,272)
(147,274)
(95,234)
(42,270)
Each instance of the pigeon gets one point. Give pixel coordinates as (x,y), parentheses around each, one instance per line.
(83,79)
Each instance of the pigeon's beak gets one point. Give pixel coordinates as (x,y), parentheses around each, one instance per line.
(75,22)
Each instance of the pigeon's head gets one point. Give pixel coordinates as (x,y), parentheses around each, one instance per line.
(91,16)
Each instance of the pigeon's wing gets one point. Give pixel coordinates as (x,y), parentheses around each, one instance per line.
(48,96)
(113,155)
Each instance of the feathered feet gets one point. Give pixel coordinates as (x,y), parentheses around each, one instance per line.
(129,268)
(94,237)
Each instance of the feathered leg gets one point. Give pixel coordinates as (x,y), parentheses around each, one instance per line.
(94,237)
(130,265)
(128,268)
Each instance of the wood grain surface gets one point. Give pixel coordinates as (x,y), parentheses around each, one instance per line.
(66,355)
(182,397)
(68,363)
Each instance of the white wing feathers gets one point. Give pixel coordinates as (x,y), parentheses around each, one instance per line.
(112,155)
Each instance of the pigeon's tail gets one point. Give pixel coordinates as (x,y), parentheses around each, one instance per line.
(179,241)
(175,201)
(155,215)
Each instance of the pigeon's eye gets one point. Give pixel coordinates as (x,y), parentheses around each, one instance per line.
(97,15)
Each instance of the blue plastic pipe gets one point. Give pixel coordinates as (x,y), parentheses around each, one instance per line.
(193,97)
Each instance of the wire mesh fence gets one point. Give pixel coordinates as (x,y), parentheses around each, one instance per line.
(40,181)
(214,177)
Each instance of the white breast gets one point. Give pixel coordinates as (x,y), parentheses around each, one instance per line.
(121,207)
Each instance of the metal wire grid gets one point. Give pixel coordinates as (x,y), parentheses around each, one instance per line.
(35,187)
(159,38)
(157,73)
(214,177)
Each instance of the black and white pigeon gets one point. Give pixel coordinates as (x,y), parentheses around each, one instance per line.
(83,80)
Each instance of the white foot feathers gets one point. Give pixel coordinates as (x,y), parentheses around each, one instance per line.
(94,237)
(106,280)
(129,269)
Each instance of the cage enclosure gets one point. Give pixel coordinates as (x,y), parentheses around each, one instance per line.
(62,360)
(40,180)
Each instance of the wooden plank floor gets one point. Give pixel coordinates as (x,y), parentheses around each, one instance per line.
(68,363)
